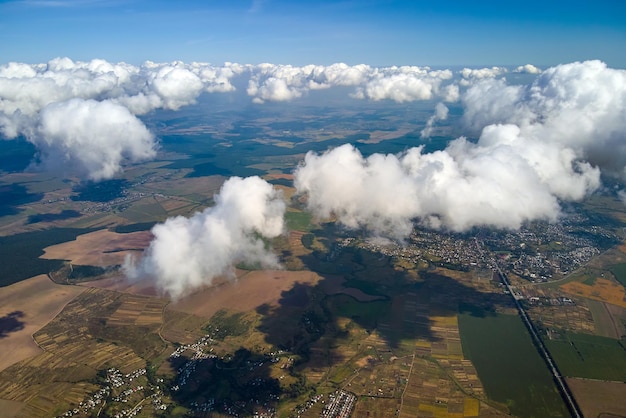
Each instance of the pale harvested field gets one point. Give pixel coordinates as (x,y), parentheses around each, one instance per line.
(39,300)
(100,248)
(244,294)
(596,397)
(286,176)
(10,408)
(120,283)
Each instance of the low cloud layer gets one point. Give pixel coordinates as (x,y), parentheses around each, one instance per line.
(29,92)
(189,253)
(97,102)
(538,144)
(579,106)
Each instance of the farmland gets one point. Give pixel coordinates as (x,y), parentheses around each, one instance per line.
(76,344)
(418,328)
(25,307)
(500,347)
(589,356)
(598,398)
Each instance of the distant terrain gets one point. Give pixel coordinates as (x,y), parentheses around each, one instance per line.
(418,328)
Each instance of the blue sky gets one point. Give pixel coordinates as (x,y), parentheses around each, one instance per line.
(375,32)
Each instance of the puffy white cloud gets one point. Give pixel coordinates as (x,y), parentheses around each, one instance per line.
(580,106)
(503,181)
(450,93)
(490,101)
(527,69)
(441,113)
(90,137)
(32,95)
(29,88)
(470,76)
(538,144)
(404,84)
(398,87)
(481,73)
(269,82)
(274,89)
(188,253)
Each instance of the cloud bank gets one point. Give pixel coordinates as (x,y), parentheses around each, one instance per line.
(29,92)
(188,253)
(538,144)
(97,102)
(579,106)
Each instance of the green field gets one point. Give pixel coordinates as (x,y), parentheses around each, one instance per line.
(20,253)
(509,366)
(298,221)
(619,270)
(589,356)
(366,314)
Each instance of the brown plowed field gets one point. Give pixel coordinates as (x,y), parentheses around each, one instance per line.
(33,303)
(244,294)
(596,397)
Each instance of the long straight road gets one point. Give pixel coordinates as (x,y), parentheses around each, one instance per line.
(561,384)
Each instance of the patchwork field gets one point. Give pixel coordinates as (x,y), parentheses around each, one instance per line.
(119,283)
(96,330)
(25,307)
(10,408)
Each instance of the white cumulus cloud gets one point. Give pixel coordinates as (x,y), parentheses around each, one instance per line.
(503,181)
(188,253)
(91,138)
(527,69)
(579,105)
(538,144)
(103,95)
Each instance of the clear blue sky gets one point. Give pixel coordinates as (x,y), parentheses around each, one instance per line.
(376,32)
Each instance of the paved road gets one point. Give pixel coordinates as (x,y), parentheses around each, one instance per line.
(561,384)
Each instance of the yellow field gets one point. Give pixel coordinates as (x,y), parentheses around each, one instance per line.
(471,407)
(603,290)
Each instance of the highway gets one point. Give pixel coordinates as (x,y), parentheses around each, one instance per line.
(561,385)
